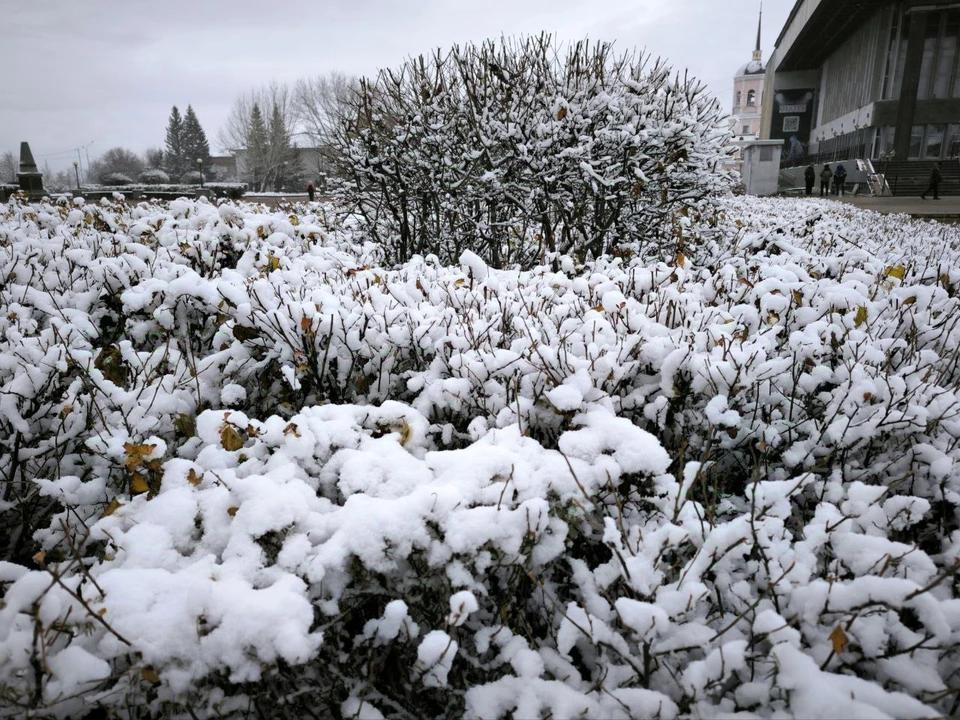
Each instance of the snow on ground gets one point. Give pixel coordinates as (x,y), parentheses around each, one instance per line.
(250,465)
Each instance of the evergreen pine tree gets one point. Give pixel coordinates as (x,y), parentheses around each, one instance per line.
(194,141)
(284,157)
(258,149)
(173,157)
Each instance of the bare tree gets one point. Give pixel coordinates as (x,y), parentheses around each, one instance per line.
(276,102)
(8,167)
(116,160)
(321,100)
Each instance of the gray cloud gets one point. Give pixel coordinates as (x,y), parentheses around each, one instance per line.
(108,71)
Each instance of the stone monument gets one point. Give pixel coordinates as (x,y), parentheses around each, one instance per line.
(29,177)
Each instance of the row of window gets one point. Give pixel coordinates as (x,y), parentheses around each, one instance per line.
(940,68)
(927,142)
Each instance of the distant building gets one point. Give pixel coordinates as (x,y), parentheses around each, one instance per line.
(748,84)
(857,79)
(223,167)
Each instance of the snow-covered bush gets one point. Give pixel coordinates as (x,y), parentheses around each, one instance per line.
(248,471)
(116,179)
(517,148)
(190,178)
(154,176)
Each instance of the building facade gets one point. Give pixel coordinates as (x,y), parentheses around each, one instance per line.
(875,79)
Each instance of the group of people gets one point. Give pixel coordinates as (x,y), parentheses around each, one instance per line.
(827,176)
(839,178)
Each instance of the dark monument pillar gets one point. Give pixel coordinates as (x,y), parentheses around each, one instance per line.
(910,86)
(30,179)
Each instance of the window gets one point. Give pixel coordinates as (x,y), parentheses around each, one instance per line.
(930,42)
(896,56)
(766,153)
(947,57)
(746,130)
(751,97)
(883,141)
(916,142)
(739,100)
(953,141)
(933,142)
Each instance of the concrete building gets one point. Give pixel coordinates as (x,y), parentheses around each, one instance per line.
(748,84)
(867,79)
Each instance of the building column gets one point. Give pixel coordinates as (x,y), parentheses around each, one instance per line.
(911,83)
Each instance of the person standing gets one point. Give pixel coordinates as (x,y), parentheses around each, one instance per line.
(826,175)
(311,192)
(935,177)
(809,178)
(839,180)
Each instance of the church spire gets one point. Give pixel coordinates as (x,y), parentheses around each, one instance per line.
(758,53)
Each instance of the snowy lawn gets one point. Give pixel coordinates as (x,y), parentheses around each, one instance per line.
(245,469)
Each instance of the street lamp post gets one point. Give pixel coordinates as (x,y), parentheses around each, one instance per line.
(886,156)
(200,167)
(76,171)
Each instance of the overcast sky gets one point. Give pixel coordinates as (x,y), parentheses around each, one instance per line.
(107,72)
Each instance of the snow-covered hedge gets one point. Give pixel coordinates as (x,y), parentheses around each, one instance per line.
(116,179)
(154,176)
(246,470)
(518,147)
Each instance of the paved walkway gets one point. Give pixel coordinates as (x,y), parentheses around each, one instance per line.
(947,208)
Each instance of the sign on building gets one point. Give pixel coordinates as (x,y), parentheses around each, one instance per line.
(792,123)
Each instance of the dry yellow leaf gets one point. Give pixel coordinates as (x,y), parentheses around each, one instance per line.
(230,438)
(861,317)
(138,484)
(111,508)
(897,271)
(681,260)
(405,432)
(839,640)
(39,557)
(150,675)
(232,511)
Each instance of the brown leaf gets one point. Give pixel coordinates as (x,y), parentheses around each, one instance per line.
(150,675)
(306,323)
(185,424)
(111,508)
(732,433)
(139,484)
(39,558)
(193,478)
(292,429)
(230,438)
(561,113)
(232,511)
(839,640)
(861,317)
(681,260)
(243,333)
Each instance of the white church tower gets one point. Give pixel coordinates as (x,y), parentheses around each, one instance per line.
(748,96)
